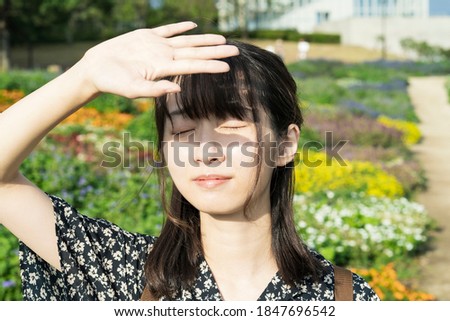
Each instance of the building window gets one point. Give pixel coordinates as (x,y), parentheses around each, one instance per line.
(361,8)
(322,16)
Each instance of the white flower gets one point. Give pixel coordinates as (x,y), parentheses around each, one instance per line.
(93,273)
(207,283)
(117,255)
(270,296)
(33,277)
(79,246)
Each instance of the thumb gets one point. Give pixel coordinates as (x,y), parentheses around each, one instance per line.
(147,88)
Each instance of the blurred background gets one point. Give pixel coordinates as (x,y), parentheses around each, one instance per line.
(40,33)
(374,85)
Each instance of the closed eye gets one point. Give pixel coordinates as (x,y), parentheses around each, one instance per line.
(181,132)
(233,125)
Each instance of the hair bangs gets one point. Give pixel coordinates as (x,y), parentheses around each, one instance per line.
(224,95)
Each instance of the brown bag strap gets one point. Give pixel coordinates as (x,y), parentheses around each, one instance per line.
(343,284)
(146,295)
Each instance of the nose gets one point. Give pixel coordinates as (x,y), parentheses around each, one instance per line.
(209,152)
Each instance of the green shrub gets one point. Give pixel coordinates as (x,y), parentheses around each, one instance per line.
(27,81)
(392,103)
(108,102)
(375,71)
(127,197)
(10,288)
(143,126)
(447,85)
(285,34)
(313,68)
(319,91)
(321,38)
(424,50)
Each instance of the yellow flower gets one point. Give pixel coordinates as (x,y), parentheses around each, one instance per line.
(317,172)
(411,133)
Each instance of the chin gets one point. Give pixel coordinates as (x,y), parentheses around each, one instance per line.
(218,208)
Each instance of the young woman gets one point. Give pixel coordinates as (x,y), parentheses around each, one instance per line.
(228,123)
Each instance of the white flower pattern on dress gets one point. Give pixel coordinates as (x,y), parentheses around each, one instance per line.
(101,261)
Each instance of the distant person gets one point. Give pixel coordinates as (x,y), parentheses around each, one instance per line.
(303,49)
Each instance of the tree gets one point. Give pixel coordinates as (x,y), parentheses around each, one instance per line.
(129,15)
(4,35)
(203,12)
(37,21)
(30,22)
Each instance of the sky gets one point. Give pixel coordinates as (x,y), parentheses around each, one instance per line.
(439,7)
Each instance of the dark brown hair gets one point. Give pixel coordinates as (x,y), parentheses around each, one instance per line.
(258,81)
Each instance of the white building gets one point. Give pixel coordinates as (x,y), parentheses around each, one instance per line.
(359,22)
(306,15)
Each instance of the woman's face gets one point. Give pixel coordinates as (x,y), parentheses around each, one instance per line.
(213,162)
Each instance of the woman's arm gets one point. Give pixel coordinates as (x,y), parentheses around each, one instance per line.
(129,65)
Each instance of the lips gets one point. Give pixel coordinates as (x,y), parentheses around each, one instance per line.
(209,181)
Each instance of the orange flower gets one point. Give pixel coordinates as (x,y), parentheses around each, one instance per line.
(144,104)
(387,286)
(9,97)
(89,115)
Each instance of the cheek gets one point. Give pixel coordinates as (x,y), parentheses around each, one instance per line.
(242,155)
(176,158)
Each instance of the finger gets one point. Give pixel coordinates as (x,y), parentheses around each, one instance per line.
(193,66)
(144,88)
(213,52)
(196,40)
(174,28)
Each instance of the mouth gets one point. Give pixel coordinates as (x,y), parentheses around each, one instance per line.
(210,181)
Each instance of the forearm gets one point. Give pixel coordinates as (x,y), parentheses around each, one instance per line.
(23,125)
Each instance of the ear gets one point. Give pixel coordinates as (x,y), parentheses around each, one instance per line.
(288,146)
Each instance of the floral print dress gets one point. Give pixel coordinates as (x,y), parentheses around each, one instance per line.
(100,261)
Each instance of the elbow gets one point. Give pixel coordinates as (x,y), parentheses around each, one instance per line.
(6,177)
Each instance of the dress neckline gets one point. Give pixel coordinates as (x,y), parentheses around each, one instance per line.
(204,267)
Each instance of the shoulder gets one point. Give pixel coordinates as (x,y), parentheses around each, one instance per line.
(70,221)
(99,260)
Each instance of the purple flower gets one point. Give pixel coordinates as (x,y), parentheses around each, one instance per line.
(82,181)
(8,283)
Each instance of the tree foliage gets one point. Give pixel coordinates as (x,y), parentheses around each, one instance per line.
(54,20)
(203,12)
(25,22)
(71,20)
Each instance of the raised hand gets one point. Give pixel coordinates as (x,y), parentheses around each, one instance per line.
(132,64)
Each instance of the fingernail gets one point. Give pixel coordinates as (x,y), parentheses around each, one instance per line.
(173,90)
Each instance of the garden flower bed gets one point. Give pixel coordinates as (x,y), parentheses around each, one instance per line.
(360,213)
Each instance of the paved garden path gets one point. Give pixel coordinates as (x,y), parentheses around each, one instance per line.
(429,97)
